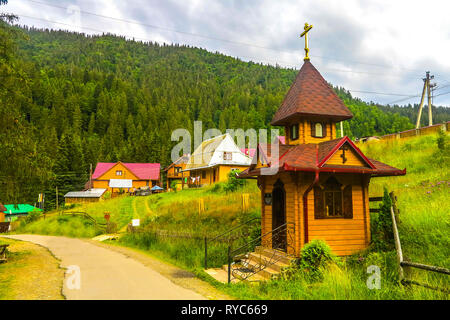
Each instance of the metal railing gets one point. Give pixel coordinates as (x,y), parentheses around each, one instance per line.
(279,239)
(228,236)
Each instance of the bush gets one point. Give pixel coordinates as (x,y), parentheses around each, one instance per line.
(315,257)
(382,233)
(233,183)
(173,185)
(216,188)
(442,141)
(32,216)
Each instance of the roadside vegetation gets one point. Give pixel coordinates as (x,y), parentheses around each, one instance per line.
(31,273)
(424,230)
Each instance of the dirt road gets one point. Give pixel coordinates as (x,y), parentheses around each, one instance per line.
(106,274)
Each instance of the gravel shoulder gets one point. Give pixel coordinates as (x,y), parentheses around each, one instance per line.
(31,273)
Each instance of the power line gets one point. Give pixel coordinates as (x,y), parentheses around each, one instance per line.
(404,99)
(383,93)
(215,38)
(441,94)
(264,60)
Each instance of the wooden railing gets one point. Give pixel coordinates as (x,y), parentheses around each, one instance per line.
(398,247)
(402,263)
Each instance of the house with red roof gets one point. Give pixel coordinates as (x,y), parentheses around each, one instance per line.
(121,176)
(315,185)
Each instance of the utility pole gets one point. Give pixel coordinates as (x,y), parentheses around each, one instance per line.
(90,176)
(430,102)
(56,197)
(426,90)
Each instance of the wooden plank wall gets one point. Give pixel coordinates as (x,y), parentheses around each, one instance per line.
(344,236)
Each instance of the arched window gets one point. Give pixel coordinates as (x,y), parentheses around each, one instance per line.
(332,200)
(294,132)
(318,130)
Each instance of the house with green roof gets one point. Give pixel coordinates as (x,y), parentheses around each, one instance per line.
(13,211)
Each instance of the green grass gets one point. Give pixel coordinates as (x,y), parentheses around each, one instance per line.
(7,270)
(76,227)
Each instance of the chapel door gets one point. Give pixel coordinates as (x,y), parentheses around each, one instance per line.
(278,216)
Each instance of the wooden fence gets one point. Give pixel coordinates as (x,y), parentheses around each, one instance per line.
(411,133)
(418,132)
(402,263)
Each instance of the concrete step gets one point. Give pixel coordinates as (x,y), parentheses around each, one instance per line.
(272,262)
(276,254)
(241,275)
(220,275)
(267,272)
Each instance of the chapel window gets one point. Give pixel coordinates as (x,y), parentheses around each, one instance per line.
(294,132)
(332,200)
(318,130)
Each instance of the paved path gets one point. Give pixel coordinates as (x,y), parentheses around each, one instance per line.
(107,274)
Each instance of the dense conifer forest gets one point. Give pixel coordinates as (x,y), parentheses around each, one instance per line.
(68,100)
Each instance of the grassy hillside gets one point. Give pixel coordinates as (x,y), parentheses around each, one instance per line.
(424,228)
(423,194)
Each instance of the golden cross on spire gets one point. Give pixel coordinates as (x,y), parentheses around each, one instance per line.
(305,33)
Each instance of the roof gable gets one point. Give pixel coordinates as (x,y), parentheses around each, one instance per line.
(310,95)
(211,153)
(140,171)
(328,150)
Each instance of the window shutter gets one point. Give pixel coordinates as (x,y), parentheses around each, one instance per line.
(313,129)
(324,130)
(318,203)
(348,205)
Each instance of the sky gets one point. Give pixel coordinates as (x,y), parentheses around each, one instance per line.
(368,46)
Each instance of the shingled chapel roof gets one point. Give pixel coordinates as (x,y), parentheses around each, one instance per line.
(310,95)
(313,157)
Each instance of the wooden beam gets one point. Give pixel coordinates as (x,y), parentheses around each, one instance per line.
(398,246)
(425,267)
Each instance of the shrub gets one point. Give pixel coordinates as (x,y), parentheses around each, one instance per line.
(233,183)
(173,185)
(216,188)
(32,216)
(442,141)
(315,257)
(382,233)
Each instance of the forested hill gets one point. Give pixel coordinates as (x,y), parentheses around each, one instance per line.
(69,100)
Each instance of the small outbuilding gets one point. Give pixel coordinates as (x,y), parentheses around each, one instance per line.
(13,211)
(90,195)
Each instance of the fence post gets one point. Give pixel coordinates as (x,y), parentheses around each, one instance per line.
(206,253)
(229,263)
(394,205)
(245,202)
(201,206)
(398,246)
